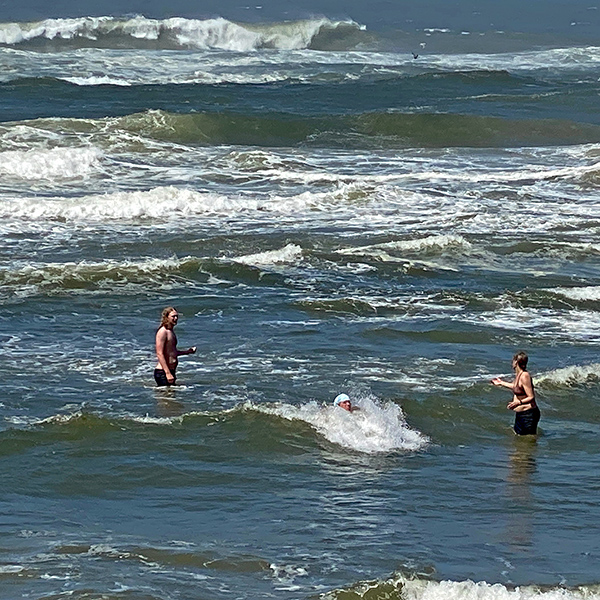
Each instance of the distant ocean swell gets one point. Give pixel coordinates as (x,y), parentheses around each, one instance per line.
(367,130)
(386,129)
(538,76)
(26,278)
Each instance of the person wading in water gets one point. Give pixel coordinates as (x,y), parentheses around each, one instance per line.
(527,414)
(166,348)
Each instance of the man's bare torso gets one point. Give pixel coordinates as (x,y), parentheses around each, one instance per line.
(169,341)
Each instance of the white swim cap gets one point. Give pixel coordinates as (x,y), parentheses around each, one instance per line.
(341,398)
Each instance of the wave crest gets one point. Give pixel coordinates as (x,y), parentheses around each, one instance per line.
(365,130)
(570,376)
(181,33)
(420,589)
(580,294)
(288,254)
(169,202)
(32,278)
(151,204)
(433,245)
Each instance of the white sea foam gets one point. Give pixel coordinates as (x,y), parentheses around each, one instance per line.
(550,324)
(376,427)
(238,61)
(285,576)
(558,59)
(95,80)
(107,550)
(569,376)
(59,418)
(158,203)
(150,420)
(77,414)
(11,569)
(434,244)
(591,293)
(166,203)
(53,164)
(527,174)
(15,33)
(286,255)
(22,422)
(421,589)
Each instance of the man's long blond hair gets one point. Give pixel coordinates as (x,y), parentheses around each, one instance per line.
(164,317)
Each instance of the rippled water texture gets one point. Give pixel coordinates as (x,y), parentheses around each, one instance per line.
(329,214)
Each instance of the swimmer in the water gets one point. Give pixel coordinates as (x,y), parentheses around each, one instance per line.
(343,401)
(527,414)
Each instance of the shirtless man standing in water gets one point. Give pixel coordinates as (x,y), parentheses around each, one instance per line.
(166,348)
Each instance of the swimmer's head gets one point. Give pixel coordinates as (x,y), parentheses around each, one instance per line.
(521,359)
(343,400)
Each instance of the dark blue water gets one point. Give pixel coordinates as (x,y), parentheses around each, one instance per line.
(329,214)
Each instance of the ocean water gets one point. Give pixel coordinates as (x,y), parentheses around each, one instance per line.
(329,214)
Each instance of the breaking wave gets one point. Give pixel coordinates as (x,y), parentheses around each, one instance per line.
(180,33)
(581,294)
(56,163)
(30,278)
(434,245)
(289,254)
(175,202)
(570,376)
(375,427)
(401,587)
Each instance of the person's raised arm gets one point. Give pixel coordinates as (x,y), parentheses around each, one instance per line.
(191,350)
(499,382)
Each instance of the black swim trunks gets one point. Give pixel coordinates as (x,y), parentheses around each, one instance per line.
(526,421)
(161,377)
